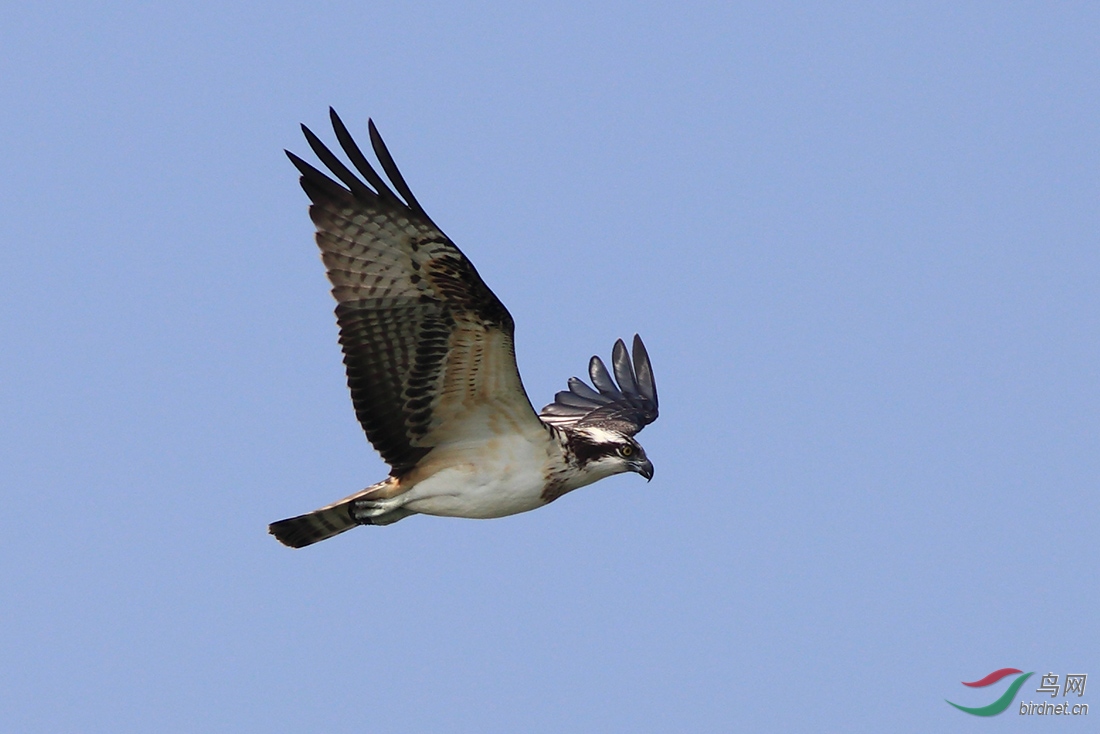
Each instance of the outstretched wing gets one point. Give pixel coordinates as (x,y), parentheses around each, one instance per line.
(628,407)
(427,346)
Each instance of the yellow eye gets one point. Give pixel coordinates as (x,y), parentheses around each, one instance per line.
(626,451)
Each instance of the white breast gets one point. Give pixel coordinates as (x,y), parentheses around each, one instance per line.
(497,477)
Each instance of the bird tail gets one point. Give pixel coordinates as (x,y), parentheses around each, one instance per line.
(312,527)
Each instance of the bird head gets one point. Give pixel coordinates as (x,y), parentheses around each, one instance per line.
(601,452)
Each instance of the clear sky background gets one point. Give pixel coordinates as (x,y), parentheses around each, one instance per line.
(861,241)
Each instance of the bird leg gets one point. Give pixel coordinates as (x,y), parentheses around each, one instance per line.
(379,512)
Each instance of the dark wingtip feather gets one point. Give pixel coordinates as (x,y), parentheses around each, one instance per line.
(601,378)
(391,170)
(355,155)
(316,184)
(334,164)
(303,167)
(643,368)
(624,371)
(578,387)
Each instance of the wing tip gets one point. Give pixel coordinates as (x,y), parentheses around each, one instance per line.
(354,184)
(626,398)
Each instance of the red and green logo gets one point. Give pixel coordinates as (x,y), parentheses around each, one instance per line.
(1006,698)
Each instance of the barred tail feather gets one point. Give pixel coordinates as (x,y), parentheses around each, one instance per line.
(298,532)
(312,527)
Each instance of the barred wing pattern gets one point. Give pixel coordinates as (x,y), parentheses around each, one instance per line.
(427,346)
(628,407)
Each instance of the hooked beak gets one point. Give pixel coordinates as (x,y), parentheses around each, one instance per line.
(646,470)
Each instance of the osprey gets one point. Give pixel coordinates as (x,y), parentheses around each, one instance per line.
(432,368)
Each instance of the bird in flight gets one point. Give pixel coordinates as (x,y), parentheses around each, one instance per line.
(432,368)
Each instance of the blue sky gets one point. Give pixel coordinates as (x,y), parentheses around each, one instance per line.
(861,244)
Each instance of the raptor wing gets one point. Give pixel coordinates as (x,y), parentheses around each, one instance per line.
(427,346)
(628,407)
